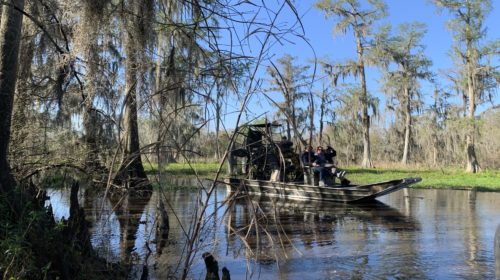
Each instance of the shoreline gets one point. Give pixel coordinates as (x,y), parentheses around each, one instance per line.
(443,178)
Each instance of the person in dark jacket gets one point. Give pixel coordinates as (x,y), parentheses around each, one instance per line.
(307,157)
(319,165)
(330,153)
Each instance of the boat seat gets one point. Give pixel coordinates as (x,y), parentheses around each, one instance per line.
(311,177)
(275,175)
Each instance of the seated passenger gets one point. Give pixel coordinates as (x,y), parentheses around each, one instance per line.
(319,166)
(330,153)
(307,157)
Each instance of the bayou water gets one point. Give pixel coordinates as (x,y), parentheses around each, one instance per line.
(410,234)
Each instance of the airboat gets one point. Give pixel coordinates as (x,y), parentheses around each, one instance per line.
(272,168)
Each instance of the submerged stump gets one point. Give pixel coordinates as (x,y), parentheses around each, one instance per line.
(212,267)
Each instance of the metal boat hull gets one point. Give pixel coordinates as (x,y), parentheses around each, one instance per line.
(296,191)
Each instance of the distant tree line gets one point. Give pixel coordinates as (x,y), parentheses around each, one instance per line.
(410,130)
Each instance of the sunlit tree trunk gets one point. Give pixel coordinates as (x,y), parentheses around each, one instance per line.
(10,34)
(160,103)
(322,110)
(434,150)
(407,110)
(365,119)
(218,116)
(472,163)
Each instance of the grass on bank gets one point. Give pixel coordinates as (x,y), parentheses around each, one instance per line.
(450,178)
(488,180)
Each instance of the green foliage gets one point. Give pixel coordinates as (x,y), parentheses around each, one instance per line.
(488,180)
(19,256)
(453,178)
(53,180)
(349,14)
(33,246)
(290,80)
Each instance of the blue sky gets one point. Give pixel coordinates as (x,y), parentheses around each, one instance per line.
(318,30)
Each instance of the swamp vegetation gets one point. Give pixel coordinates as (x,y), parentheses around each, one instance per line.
(449,178)
(121,94)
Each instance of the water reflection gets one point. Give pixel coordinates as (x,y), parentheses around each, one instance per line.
(497,252)
(423,234)
(457,231)
(129,209)
(297,236)
(260,219)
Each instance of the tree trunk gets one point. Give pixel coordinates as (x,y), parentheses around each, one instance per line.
(294,117)
(132,150)
(321,115)
(434,151)
(311,120)
(367,161)
(218,109)
(134,168)
(472,163)
(160,104)
(10,34)
(404,160)
(92,162)
(90,121)
(288,130)
(23,98)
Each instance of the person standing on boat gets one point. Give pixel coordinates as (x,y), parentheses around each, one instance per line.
(330,153)
(319,165)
